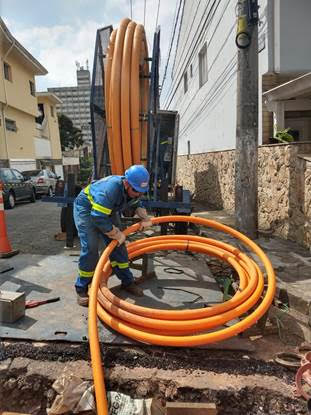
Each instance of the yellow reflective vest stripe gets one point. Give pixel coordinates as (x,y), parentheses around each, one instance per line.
(96,206)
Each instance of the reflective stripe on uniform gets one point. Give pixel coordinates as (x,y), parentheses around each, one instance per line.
(96,206)
(86,274)
(120,265)
(123,265)
(164,142)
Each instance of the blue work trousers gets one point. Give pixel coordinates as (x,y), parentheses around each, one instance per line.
(90,236)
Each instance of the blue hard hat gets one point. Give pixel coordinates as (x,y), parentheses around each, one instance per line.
(138,178)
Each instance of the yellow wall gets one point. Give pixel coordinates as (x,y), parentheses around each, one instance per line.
(55,137)
(3,153)
(52,129)
(18,91)
(2,51)
(21,143)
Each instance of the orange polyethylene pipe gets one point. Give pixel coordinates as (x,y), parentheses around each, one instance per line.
(144,104)
(135,93)
(108,65)
(125,96)
(115,95)
(181,327)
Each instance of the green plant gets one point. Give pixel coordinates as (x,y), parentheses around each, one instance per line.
(86,168)
(284,136)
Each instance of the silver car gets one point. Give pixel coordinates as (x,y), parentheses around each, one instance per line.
(44,181)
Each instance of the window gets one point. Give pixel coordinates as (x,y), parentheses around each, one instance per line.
(203,65)
(18,175)
(10,125)
(185,82)
(32,88)
(7,71)
(7,175)
(40,117)
(52,111)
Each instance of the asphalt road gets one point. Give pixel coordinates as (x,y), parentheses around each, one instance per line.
(31,228)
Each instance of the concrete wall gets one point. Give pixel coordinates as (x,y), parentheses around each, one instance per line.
(208,113)
(292,35)
(52,127)
(20,143)
(3,149)
(18,91)
(201,108)
(284,186)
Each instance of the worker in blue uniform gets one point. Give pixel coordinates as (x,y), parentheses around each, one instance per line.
(97,216)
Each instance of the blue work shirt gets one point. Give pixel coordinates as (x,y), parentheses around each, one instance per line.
(105,198)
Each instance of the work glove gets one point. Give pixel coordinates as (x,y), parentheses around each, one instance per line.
(116,234)
(145,222)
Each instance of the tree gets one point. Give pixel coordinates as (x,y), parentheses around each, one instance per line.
(70,136)
(86,168)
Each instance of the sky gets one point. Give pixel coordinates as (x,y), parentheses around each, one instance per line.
(60,33)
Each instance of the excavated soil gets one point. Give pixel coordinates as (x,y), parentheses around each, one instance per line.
(150,372)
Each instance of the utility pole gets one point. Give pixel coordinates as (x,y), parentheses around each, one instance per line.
(246,155)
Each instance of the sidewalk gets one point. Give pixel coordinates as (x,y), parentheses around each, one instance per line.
(292,266)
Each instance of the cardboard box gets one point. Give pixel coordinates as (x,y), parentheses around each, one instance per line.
(12,306)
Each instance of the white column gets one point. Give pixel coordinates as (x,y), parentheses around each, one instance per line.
(278,117)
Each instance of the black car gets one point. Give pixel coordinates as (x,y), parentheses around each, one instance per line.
(16,187)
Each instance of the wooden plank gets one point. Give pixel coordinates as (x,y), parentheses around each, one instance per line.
(190,408)
(12,413)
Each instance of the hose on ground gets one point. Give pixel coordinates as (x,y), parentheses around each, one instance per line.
(180,328)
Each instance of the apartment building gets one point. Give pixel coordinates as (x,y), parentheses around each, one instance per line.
(21,139)
(76,103)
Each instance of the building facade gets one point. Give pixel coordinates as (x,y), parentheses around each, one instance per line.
(204,84)
(49,152)
(21,144)
(204,92)
(76,103)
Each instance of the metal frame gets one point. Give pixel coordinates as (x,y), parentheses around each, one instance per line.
(157,200)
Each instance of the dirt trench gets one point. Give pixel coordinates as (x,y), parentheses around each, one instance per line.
(236,383)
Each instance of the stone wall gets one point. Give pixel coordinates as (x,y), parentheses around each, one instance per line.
(284,186)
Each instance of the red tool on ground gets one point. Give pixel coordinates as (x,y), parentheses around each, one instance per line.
(35,303)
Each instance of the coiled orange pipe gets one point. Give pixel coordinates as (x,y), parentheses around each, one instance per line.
(183,327)
(127,96)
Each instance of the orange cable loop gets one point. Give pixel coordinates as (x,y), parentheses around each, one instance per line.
(181,328)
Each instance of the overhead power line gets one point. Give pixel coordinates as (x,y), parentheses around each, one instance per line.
(172,42)
(157,15)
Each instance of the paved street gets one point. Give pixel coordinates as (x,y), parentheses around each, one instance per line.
(31,228)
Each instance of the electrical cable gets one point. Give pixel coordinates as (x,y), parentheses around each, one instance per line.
(156,25)
(202,26)
(171,45)
(193,46)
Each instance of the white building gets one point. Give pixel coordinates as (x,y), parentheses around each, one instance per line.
(204,85)
(76,103)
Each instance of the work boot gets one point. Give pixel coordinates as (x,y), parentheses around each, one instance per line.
(133,289)
(83,299)
(138,280)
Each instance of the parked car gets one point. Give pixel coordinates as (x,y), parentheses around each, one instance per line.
(44,181)
(16,187)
